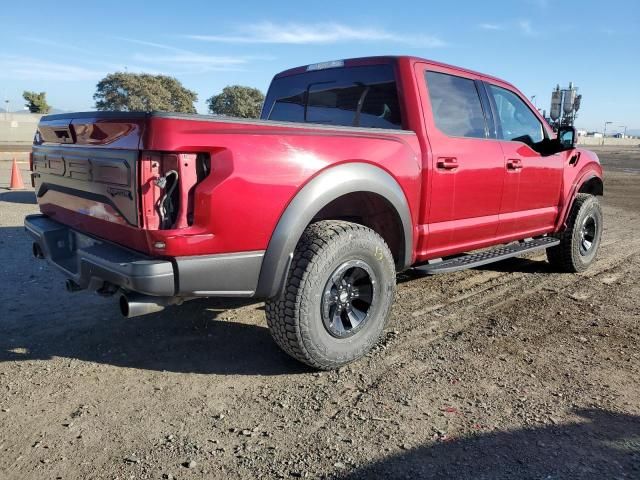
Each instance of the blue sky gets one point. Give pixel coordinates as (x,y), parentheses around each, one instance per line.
(66,48)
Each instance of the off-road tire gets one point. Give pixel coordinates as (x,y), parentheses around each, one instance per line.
(295,318)
(568,256)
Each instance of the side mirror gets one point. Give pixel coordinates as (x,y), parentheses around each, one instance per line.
(567,137)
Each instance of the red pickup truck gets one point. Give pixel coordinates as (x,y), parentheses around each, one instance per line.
(357,169)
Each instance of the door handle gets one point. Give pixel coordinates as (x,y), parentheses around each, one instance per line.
(447,163)
(514,164)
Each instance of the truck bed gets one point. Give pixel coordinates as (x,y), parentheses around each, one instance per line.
(94,171)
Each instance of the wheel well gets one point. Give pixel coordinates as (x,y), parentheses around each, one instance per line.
(373,211)
(593,186)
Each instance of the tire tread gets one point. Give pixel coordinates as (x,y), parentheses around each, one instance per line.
(564,256)
(282,312)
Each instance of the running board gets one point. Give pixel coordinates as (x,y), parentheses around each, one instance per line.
(471,260)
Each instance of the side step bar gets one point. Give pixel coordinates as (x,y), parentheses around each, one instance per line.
(471,260)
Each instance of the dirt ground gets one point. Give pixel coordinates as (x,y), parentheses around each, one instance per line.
(508,371)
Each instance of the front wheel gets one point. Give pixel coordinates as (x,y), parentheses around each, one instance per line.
(580,241)
(338,295)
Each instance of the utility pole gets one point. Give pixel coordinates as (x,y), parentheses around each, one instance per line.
(604,133)
(5,97)
(624,135)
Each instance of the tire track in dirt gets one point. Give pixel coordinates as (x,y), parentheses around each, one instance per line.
(404,359)
(494,296)
(489,291)
(471,290)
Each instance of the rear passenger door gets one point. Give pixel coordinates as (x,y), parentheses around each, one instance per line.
(466,175)
(533,182)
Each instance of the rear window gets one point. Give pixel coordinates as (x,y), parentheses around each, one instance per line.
(364,96)
(456,106)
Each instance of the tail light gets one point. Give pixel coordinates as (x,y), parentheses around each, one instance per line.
(33,180)
(167,187)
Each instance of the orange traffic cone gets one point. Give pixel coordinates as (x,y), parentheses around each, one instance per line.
(16,178)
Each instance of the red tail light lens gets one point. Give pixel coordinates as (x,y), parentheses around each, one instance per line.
(33,180)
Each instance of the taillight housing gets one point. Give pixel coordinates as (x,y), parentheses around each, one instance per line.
(167,187)
(33,180)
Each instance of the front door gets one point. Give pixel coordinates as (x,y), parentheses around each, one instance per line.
(533,182)
(467,170)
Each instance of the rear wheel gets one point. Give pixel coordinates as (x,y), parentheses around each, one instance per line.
(338,295)
(580,241)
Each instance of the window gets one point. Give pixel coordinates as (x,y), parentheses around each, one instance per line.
(456,106)
(518,122)
(353,96)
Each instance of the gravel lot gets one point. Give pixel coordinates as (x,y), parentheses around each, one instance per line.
(508,371)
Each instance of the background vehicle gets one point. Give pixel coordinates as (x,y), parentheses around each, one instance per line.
(358,169)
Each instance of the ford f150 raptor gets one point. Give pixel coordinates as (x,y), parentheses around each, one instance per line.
(357,169)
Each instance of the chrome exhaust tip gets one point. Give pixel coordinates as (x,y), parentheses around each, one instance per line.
(135,304)
(37,250)
(71,286)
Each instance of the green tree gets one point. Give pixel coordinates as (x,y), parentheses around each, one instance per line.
(237,101)
(142,92)
(36,102)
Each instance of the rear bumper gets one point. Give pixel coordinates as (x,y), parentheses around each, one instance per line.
(90,262)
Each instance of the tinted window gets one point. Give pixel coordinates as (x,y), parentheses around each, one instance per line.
(456,106)
(353,96)
(518,122)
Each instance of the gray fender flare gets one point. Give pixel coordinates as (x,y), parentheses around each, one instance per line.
(319,192)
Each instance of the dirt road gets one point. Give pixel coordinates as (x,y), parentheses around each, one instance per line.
(509,371)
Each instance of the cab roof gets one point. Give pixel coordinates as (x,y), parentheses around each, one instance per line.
(375,60)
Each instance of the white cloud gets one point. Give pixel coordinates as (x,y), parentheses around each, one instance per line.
(46,42)
(193,61)
(540,3)
(526,28)
(36,69)
(90,68)
(318,33)
(146,43)
(523,26)
(490,26)
(188,61)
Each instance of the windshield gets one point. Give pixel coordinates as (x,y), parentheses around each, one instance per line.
(364,96)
